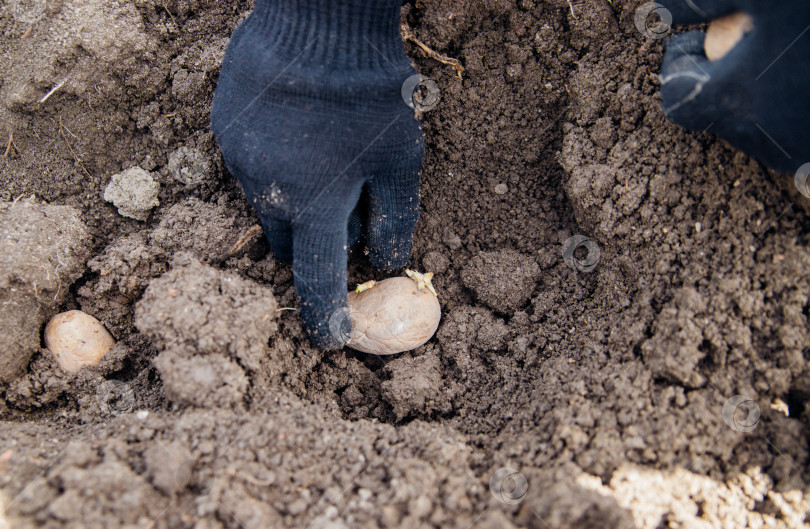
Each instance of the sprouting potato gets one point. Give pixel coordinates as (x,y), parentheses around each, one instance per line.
(394,315)
(724,33)
(77,339)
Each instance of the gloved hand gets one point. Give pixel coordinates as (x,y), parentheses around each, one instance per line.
(309,114)
(757,97)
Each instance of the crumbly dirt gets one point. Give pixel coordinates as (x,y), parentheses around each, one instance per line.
(44,250)
(565,388)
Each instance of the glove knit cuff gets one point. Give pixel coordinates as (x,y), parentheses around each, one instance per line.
(359,34)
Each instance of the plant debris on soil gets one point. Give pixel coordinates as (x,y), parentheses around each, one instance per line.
(663,384)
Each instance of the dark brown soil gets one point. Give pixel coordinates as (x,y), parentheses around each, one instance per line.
(609,386)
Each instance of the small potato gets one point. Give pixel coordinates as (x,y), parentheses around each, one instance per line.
(393,316)
(724,33)
(76,340)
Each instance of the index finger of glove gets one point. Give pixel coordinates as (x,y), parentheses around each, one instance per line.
(319,269)
(684,74)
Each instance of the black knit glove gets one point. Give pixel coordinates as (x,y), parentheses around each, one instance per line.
(309,113)
(757,97)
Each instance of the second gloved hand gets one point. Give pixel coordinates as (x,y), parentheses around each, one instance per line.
(757,97)
(309,114)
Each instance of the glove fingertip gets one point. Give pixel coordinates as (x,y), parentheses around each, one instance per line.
(327,324)
(684,73)
(319,270)
(680,95)
(686,44)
